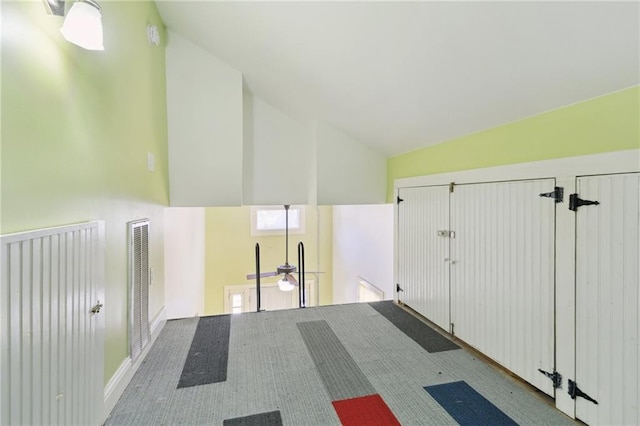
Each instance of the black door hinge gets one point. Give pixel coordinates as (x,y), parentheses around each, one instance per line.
(557,194)
(452,186)
(575,202)
(398,288)
(555,377)
(575,391)
(399,200)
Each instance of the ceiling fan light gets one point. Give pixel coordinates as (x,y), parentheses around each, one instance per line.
(285,285)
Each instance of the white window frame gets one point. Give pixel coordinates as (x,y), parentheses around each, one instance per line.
(255,232)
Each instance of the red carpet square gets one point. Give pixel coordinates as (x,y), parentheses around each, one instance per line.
(365,410)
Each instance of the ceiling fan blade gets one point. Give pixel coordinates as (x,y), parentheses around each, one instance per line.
(262,275)
(291,279)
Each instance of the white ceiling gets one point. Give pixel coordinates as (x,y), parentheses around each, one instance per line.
(402,75)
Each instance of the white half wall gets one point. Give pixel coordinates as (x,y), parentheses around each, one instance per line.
(348,172)
(184,237)
(278,155)
(362,247)
(204,112)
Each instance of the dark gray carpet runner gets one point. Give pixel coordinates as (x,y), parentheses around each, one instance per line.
(421,333)
(209,353)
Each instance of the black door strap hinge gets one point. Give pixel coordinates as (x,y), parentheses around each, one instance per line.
(557,194)
(575,391)
(399,200)
(555,377)
(398,288)
(575,202)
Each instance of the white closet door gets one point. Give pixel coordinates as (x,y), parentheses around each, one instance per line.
(423,268)
(607,299)
(502,274)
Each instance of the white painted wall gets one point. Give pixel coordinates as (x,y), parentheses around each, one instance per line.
(204,108)
(278,155)
(348,172)
(362,247)
(184,236)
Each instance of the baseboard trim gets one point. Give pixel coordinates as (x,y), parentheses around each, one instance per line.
(116,386)
(123,375)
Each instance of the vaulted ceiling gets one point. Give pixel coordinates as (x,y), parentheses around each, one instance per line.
(398,76)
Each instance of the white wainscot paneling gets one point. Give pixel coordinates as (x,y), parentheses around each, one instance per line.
(51,330)
(609,375)
(608,300)
(423,255)
(502,274)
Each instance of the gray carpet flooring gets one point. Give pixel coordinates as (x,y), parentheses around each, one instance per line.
(271,369)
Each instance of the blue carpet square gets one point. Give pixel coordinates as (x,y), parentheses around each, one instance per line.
(467,406)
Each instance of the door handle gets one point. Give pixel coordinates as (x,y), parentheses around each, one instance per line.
(96,308)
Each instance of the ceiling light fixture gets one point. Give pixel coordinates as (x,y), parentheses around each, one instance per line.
(83,25)
(285,285)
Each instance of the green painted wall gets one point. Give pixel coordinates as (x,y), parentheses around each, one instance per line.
(76,129)
(607,123)
(230,251)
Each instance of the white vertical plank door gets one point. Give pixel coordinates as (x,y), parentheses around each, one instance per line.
(608,300)
(423,267)
(502,274)
(51,357)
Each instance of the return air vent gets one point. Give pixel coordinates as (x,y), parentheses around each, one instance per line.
(138,287)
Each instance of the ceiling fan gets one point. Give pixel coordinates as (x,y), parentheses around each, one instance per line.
(288,282)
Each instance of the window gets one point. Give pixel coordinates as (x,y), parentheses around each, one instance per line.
(236,303)
(271,220)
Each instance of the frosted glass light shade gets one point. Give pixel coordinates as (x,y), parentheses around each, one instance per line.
(83,25)
(285,285)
